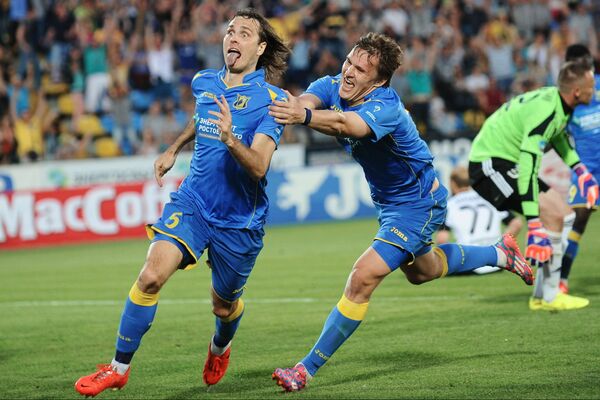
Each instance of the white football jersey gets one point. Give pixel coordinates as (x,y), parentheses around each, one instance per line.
(473,220)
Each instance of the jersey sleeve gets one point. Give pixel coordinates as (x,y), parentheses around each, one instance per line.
(565,150)
(382,117)
(267,125)
(535,126)
(196,84)
(323,88)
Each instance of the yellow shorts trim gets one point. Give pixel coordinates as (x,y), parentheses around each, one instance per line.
(444,259)
(574,236)
(397,245)
(352,310)
(140,298)
(237,312)
(150,232)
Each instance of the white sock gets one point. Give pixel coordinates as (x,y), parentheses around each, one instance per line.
(119,367)
(552,271)
(567,227)
(502,260)
(216,350)
(538,293)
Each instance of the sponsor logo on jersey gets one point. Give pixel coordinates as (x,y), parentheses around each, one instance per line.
(209,95)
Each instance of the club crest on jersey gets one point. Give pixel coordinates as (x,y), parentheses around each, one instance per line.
(241,102)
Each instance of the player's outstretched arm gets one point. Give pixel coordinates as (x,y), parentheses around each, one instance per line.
(297,110)
(254,159)
(166,160)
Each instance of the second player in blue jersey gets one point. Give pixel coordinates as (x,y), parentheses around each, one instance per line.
(369,120)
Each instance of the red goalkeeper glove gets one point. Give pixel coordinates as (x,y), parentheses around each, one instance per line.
(588,186)
(539,247)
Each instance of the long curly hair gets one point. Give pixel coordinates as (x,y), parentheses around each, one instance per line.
(274,59)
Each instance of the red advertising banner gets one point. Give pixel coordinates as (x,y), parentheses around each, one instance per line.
(39,218)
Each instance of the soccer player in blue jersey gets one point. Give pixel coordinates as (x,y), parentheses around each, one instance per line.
(368,118)
(220,206)
(584,127)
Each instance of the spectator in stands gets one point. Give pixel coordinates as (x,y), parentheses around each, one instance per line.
(118,91)
(8,142)
(30,127)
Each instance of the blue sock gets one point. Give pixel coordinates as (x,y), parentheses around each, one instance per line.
(343,320)
(462,259)
(225,328)
(570,254)
(136,319)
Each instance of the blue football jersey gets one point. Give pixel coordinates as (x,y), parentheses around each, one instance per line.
(584,126)
(221,188)
(396,161)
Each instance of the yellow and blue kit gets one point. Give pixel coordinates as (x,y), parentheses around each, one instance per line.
(398,167)
(219,206)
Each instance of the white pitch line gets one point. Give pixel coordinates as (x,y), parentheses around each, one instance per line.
(292,300)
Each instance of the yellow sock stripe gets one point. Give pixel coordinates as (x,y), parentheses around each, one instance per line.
(238,311)
(140,298)
(352,310)
(574,236)
(444,260)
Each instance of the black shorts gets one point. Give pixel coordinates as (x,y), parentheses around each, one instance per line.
(496,181)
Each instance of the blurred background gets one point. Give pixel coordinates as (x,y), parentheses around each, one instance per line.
(107,83)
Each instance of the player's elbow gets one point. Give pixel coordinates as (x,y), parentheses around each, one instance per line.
(258,172)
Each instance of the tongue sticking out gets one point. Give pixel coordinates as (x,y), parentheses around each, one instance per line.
(232,57)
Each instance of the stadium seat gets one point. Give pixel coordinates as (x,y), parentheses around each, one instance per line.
(140,100)
(89,124)
(65,104)
(106,147)
(108,122)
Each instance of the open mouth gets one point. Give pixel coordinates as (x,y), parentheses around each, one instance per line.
(348,82)
(232,56)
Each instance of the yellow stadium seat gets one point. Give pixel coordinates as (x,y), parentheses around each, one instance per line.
(89,124)
(65,104)
(106,147)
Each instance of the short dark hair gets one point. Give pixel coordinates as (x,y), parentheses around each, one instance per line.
(387,51)
(274,59)
(579,53)
(570,73)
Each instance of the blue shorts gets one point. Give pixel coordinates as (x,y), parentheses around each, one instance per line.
(231,252)
(575,198)
(405,231)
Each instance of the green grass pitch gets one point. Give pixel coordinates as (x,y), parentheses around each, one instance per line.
(459,337)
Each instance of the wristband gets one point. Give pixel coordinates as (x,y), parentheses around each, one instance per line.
(308,116)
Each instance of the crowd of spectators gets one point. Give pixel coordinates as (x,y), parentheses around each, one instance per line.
(100,78)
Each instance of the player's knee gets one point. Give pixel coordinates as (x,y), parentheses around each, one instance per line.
(417,279)
(149,282)
(223,311)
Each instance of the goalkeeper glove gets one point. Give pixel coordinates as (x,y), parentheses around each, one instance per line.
(539,247)
(588,186)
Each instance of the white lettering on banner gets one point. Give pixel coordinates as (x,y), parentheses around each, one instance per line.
(17,219)
(73,221)
(352,185)
(300,185)
(129,209)
(88,211)
(49,219)
(92,207)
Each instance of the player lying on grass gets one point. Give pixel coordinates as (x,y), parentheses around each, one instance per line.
(368,118)
(221,205)
(504,163)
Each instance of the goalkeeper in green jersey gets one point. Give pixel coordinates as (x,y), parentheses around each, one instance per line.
(503,168)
